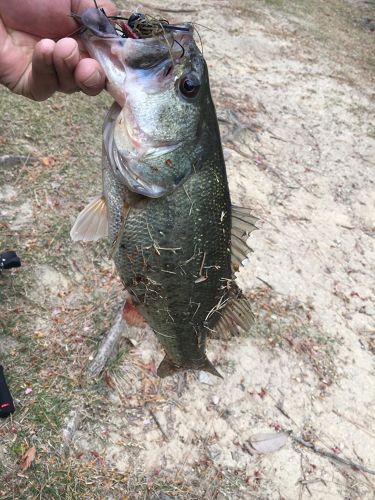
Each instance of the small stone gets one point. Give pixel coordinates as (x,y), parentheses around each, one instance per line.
(214,452)
(204,378)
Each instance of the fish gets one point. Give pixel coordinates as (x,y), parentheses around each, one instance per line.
(176,239)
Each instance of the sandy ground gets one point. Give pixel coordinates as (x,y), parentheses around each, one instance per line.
(299,151)
(297,116)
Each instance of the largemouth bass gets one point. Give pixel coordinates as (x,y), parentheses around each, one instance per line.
(176,239)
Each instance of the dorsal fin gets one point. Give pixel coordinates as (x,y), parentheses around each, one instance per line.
(92,223)
(235,317)
(243,223)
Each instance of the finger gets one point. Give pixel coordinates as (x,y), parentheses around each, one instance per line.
(42,80)
(65,58)
(89,77)
(47,18)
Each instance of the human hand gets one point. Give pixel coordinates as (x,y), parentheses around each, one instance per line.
(36,57)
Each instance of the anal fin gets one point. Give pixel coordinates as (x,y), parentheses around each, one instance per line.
(236,316)
(92,223)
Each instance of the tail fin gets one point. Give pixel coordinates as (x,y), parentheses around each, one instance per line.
(167,367)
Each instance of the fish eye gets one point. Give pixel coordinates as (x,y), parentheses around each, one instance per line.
(189,86)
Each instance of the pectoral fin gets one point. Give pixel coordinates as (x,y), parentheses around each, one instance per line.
(92,223)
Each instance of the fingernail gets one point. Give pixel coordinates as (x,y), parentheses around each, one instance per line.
(93,80)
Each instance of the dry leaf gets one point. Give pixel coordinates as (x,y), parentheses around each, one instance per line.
(109,380)
(48,161)
(269,442)
(45,161)
(262,393)
(27,458)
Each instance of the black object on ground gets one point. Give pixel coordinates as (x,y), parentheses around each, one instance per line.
(6,401)
(8,260)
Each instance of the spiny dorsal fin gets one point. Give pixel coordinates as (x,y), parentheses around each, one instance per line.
(92,223)
(236,316)
(243,223)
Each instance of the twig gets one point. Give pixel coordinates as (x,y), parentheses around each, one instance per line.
(238,151)
(265,282)
(279,406)
(108,345)
(13,160)
(278,138)
(158,424)
(302,482)
(236,123)
(332,456)
(70,429)
(105,351)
